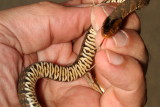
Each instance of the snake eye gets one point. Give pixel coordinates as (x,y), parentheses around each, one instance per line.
(110,27)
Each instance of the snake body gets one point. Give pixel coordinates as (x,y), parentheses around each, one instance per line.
(82,65)
(28,79)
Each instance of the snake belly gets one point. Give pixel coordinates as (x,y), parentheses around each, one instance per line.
(29,77)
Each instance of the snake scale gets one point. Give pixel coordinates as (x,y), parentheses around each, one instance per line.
(82,65)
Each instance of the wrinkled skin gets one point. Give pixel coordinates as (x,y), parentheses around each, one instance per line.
(44,31)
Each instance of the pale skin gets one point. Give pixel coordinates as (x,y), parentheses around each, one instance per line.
(44,31)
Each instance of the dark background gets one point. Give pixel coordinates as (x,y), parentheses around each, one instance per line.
(150,17)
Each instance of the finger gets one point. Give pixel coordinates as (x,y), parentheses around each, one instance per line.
(126,42)
(132,22)
(66,23)
(39,25)
(116,68)
(120,76)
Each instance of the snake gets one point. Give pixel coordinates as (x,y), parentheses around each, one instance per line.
(28,78)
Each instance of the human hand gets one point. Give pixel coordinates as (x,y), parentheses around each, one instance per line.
(121,62)
(32,33)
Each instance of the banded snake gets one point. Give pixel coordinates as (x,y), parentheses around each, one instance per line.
(84,61)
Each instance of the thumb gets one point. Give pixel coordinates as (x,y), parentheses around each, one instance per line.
(113,69)
(121,77)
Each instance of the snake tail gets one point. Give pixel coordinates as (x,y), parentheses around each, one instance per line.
(30,76)
(114,21)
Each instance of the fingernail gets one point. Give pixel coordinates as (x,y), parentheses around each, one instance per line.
(94,19)
(114,58)
(120,39)
(107,9)
(98,15)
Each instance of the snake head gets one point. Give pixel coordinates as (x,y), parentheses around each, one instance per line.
(110,27)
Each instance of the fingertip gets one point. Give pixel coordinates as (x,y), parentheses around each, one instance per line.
(107,69)
(98,15)
(108,63)
(133,22)
(108,58)
(118,70)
